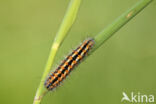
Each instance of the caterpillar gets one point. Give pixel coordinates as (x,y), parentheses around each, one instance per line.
(63,70)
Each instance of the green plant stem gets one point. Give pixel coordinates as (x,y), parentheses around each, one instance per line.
(119,22)
(99,38)
(60,36)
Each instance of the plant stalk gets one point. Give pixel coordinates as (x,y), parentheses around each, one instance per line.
(67,22)
(99,38)
(119,22)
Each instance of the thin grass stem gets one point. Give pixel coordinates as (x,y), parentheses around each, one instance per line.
(67,22)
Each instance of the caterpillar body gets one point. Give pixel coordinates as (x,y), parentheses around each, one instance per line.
(63,70)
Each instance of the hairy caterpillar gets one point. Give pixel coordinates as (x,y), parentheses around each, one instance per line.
(56,77)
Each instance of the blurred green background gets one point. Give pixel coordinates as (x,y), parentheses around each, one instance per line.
(126,62)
